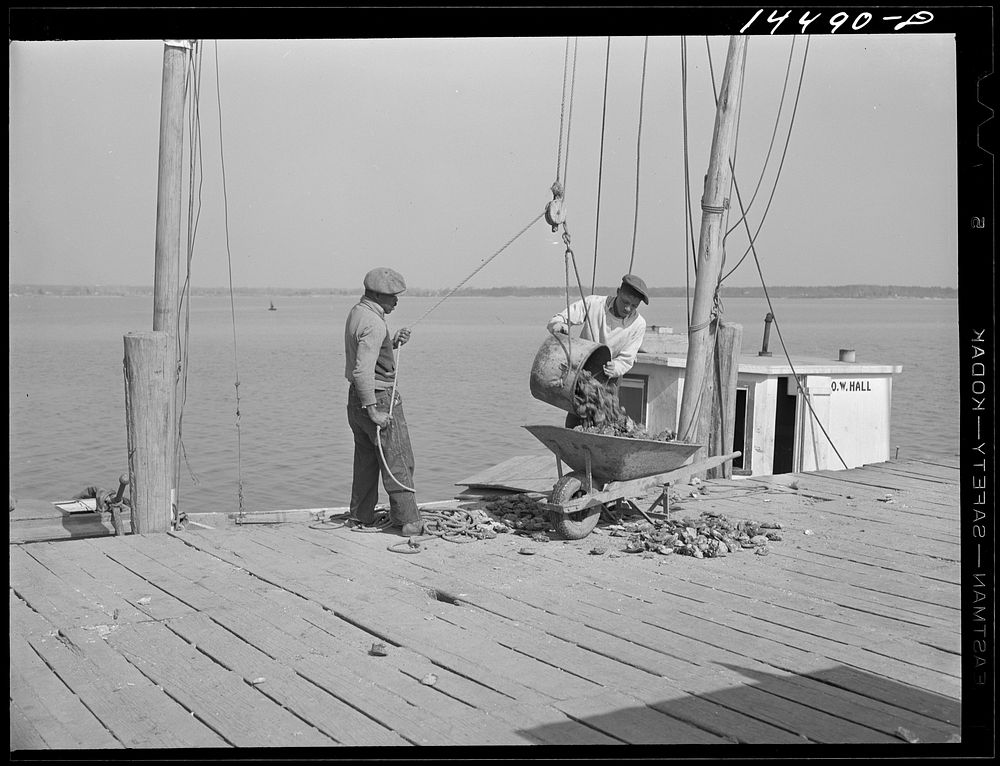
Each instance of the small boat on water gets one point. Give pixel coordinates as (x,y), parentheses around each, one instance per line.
(273,307)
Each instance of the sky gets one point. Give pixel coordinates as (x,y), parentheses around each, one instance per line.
(428,155)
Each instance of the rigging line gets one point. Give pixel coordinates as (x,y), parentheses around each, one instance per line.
(774,134)
(600,164)
(195,171)
(569,118)
(562,112)
(739,114)
(784,153)
(232,300)
(478,268)
(784,348)
(688,219)
(736,139)
(638,148)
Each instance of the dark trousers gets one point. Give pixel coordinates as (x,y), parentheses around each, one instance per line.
(368,464)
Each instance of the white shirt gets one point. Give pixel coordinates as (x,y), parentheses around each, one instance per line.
(622,336)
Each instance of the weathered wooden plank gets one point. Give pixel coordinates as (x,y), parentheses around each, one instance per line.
(826,639)
(919,474)
(398,621)
(944,659)
(98,580)
(861,709)
(57,714)
(238,712)
(841,523)
(763,591)
(549,726)
(847,704)
(60,602)
(608,644)
(716,634)
(901,694)
(934,596)
(524,473)
(126,702)
(939,467)
(725,721)
(633,722)
(23,734)
(906,481)
(326,712)
(38,520)
(170,584)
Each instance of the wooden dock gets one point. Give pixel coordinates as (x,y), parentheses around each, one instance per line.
(261,636)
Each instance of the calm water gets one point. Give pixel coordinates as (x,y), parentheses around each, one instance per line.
(463,378)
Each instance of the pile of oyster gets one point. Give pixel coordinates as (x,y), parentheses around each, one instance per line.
(519,512)
(711,535)
(598,407)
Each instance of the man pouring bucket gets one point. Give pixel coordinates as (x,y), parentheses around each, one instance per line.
(611,320)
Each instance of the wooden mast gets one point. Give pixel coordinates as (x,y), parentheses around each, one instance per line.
(702,329)
(151,358)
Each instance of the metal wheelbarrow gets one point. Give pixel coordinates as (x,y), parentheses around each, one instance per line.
(607,469)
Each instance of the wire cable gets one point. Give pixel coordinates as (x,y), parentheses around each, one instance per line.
(774,134)
(688,219)
(600,164)
(479,268)
(781,164)
(232,300)
(638,152)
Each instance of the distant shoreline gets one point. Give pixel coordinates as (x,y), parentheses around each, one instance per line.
(821,291)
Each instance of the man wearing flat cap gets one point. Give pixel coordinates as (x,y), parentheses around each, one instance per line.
(613,320)
(371,370)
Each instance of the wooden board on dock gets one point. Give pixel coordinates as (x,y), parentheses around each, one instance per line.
(525,473)
(37,520)
(261,635)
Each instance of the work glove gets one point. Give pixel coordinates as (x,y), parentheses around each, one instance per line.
(610,371)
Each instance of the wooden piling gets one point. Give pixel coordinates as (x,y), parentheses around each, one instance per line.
(149,392)
(714,202)
(729,343)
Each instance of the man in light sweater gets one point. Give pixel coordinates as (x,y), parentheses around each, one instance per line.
(613,320)
(371,369)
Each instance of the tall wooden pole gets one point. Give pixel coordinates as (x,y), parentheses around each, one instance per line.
(166,285)
(149,374)
(151,359)
(701,332)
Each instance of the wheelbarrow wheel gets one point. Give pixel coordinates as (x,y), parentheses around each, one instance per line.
(572,526)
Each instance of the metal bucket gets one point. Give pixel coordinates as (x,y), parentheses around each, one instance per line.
(558,364)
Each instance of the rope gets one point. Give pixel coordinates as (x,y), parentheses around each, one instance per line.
(192,75)
(562,112)
(569,120)
(688,220)
(600,165)
(378,429)
(638,148)
(781,164)
(453,525)
(479,268)
(232,300)
(774,134)
(770,307)
(736,140)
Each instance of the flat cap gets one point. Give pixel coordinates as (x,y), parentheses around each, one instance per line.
(385,280)
(636,285)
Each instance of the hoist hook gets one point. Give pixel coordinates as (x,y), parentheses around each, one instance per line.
(555,211)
